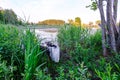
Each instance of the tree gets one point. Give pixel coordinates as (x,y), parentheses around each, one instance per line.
(78,21)
(1,15)
(110,32)
(70,21)
(52,22)
(98,22)
(91,24)
(10,16)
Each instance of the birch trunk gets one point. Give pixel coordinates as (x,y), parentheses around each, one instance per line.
(111,35)
(115,3)
(103,24)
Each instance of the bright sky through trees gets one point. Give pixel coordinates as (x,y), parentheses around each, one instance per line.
(39,10)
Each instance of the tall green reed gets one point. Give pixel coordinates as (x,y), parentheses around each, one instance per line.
(32,52)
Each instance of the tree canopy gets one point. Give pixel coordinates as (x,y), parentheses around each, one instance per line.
(8,16)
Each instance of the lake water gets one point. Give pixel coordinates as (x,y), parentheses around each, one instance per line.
(49,35)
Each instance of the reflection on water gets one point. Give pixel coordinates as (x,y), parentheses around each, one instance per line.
(47,34)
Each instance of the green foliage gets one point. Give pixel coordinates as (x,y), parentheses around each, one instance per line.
(107,74)
(80,43)
(73,72)
(93,5)
(95,40)
(1,16)
(32,53)
(40,75)
(21,50)
(69,36)
(10,17)
(11,48)
(82,54)
(6,72)
(83,46)
(22,57)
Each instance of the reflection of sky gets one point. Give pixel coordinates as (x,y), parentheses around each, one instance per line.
(46,36)
(49,9)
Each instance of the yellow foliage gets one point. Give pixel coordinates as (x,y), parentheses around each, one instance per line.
(70,21)
(76,24)
(77,21)
(52,22)
(97,22)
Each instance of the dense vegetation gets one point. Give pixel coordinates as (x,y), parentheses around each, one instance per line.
(8,16)
(81,56)
(85,54)
(20,55)
(80,46)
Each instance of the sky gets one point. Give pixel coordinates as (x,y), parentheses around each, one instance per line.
(39,10)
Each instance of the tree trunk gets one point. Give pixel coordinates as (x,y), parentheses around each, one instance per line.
(116,28)
(110,26)
(114,18)
(103,24)
(115,3)
(110,31)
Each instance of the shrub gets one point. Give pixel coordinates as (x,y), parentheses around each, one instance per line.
(95,42)
(10,47)
(81,45)
(107,74)
(72,72)
(69,36)
(6,72)
(20,49)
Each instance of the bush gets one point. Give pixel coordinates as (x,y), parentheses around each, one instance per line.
(107,74)
(69,36)
(73,72)
(20,49)
(6,72)
(79,42)
(95,42)
(80,45)
(10,47)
